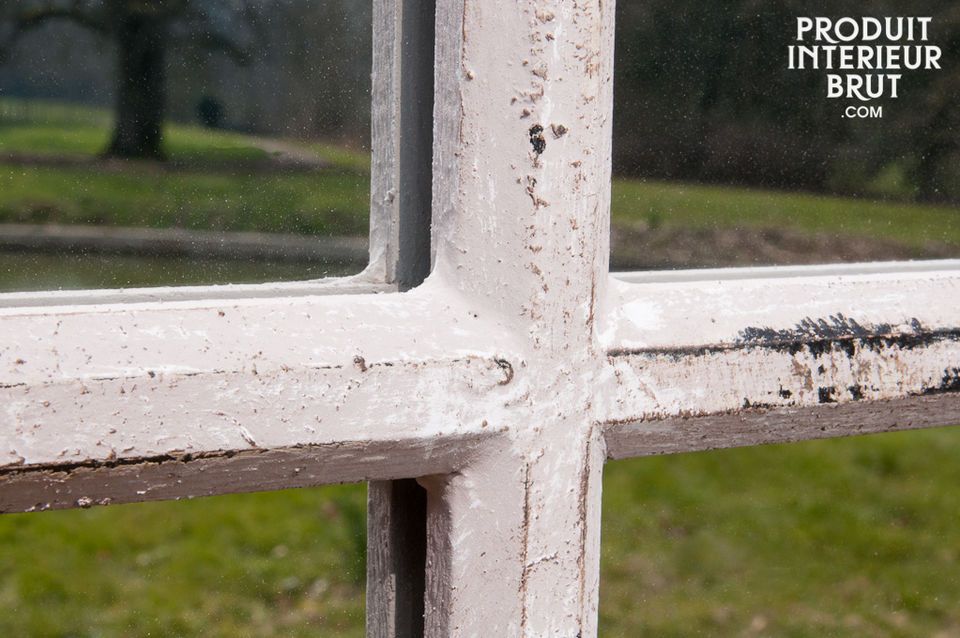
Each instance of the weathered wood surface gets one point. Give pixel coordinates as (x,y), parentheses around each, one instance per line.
(385,142)
(764,425)
(716,347)
(64,299)
(396,557)
(402,191)
(521,231)
(130,480)
(895,268)
(402,126)
(768,306)
(111,382)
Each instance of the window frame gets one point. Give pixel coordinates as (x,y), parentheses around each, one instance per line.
(502,383)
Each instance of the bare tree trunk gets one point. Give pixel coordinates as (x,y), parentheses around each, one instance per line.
(141,42)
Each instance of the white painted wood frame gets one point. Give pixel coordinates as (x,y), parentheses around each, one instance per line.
(502,383)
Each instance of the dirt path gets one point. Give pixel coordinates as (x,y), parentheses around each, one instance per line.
(632,248)
(60,239)
(289,155)
(637,248)
(281,156)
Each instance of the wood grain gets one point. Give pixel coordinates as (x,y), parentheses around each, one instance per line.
(677,435)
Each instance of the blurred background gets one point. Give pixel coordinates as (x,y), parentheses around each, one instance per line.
(233,138)
(194,120)
(723,156)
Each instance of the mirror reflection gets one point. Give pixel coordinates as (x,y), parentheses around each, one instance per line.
(182,141)
(779,132)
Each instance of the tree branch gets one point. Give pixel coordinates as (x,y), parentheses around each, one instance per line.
(25,21)
(213,41)
(200,29)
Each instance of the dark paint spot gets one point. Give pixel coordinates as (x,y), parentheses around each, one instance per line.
(949,383)
(537,140)
(361,363)
(856,392)
(837,332)
(757,405)
(834,327)
(826,395)
(507,371)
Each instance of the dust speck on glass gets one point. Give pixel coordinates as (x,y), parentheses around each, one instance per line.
(182,141)
(781,132)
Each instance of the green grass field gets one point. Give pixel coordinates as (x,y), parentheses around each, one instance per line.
(43,271)
(218,181)
(702,206)
(335,201)
(853,537)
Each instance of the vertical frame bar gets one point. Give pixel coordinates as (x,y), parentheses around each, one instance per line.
(396,558)
(416,141)
(400,217)
(402,141)
(521,231)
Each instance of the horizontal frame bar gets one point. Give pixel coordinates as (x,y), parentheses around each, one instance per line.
(229,472)
(784,272)
(356,285)
(806,302)
(102,384)
(759,426)
(823,351)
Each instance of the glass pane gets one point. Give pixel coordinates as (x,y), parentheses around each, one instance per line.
(725,155)
(853,537)
(288,563)
(182,141)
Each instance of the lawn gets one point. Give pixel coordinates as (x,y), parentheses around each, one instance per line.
(335,200)
(43,271)
(214,180)
(326,203)
(853,537)
(283,564)
(704,206)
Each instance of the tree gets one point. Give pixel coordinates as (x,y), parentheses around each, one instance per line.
(703,93)
(142,31)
